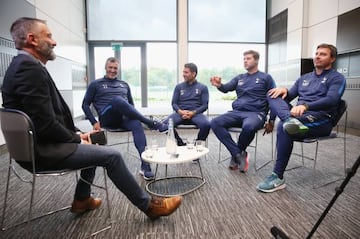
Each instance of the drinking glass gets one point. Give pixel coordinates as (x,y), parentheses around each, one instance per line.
(199,145)
(154,145)
(190,143)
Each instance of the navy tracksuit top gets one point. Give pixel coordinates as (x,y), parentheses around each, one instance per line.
(251,91)
(320,92)
(101,92)
(190,97)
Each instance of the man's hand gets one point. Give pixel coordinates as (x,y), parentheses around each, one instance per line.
(268,128)
(85,138)
(279,91)
(298,110)
(215,81)
(186,114)
(97,126)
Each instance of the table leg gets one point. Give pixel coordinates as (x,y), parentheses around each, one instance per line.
(201,173)
(166,176)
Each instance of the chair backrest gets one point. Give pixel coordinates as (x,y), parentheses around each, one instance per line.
(339,112)
(19,135)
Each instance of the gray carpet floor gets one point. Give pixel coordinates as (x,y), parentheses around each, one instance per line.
(226,206)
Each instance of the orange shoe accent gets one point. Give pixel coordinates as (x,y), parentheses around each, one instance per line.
(84,205)
(163,206)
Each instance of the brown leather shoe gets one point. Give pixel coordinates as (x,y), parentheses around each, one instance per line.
(162,206)
(84,205)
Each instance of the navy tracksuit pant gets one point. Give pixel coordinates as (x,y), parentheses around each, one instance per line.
(318,122)
(250,122)
(121,114)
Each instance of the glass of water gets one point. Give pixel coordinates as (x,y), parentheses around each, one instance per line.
(199,145)
(190,143)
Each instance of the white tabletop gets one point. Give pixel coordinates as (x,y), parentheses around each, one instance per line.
(184,154)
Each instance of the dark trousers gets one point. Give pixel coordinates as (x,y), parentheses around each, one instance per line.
(250,122)
(94,155)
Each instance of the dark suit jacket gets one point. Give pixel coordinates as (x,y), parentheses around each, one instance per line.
(29,87)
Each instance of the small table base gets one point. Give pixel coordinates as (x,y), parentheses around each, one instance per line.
(172,186)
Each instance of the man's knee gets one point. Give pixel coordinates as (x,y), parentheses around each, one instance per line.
(215,123)
(205,125)
(118,101)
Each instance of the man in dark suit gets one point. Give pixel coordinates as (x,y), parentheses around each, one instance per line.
(29,87)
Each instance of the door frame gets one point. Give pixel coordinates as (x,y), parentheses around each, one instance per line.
(117,54)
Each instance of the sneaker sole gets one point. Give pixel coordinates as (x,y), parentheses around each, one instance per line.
(295,129)
(282,186)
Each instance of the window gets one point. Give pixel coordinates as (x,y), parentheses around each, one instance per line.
(227,20)
(162,73)
(224,60)
(131,20)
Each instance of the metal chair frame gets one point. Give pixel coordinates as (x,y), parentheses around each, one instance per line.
(237,131)
(119,130)
(18,130)
(192,126)
(334,135)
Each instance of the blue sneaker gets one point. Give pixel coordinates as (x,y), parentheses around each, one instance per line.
(271,184)
(145,171)
(161,127)
(294,126)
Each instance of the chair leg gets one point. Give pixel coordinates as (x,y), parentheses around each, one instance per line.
(128,141)
(219,155)
(302,158)
(314,171)
(6,197)
(31,202)
(108,206)
(107,193)
(315,161)
(272,153)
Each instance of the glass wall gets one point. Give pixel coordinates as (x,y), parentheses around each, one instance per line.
(131,20)
(162,73)
(224,60)
(218,33)
(227,20)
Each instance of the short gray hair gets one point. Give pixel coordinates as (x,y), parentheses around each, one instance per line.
(21,27)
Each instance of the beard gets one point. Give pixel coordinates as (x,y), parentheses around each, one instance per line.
(46,50)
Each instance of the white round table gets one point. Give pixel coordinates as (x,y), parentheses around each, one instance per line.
(163,186)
